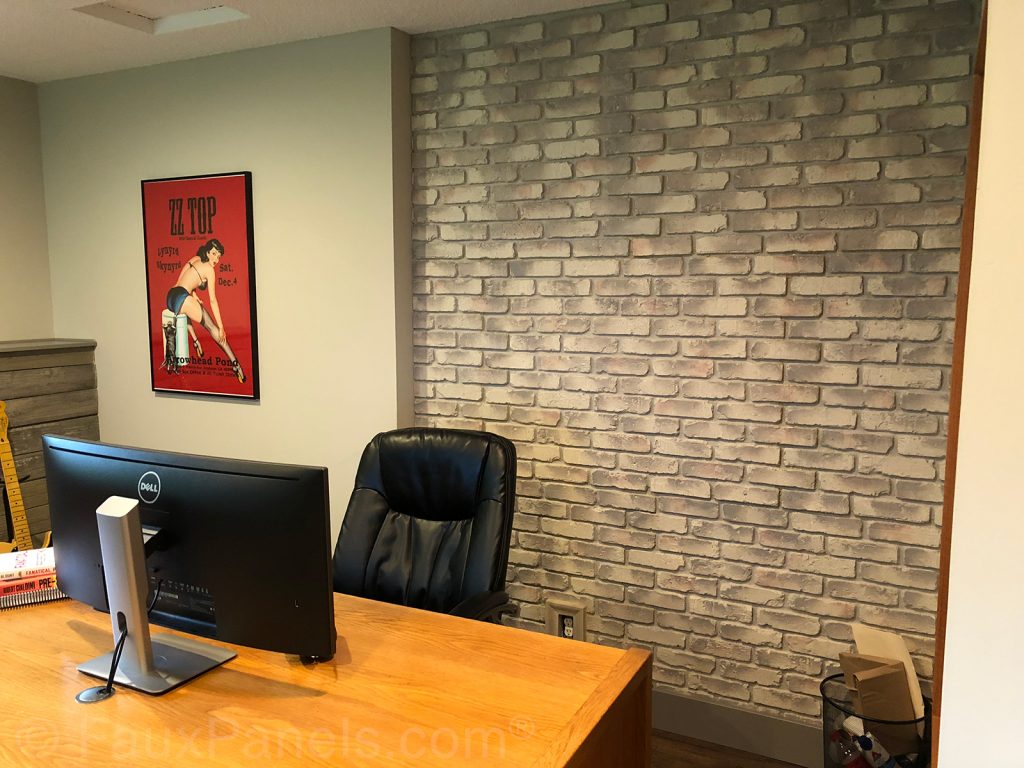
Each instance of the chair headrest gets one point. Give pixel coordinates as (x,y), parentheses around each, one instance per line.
(438,474)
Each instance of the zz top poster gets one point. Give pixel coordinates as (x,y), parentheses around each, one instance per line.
(201,284)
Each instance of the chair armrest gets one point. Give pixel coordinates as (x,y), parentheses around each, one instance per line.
(484,606)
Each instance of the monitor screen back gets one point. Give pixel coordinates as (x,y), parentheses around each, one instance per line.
(246,555)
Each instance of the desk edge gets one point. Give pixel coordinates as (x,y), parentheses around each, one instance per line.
(631,671)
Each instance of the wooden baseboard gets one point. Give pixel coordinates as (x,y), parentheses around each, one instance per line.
(749,731)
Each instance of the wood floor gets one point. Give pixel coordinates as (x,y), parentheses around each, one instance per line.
(671,751)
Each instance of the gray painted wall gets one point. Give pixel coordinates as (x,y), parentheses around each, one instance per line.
(315,123)
(25,309)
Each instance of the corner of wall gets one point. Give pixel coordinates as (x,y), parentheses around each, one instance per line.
(28,312)
(401,138)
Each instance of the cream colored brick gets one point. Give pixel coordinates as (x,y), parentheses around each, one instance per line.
(713,309)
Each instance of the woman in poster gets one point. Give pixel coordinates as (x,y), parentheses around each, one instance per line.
(200,274)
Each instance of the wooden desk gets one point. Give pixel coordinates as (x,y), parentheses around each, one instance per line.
(406,688)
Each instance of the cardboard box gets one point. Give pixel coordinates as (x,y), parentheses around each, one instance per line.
(877,642)
(852,663)
(882,693)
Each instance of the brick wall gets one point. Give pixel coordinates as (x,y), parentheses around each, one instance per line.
(698,260)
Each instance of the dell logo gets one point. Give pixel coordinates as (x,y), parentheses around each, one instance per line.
(149,487)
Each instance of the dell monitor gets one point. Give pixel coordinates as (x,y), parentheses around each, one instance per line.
(238,551)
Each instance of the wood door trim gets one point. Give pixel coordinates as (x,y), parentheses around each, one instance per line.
(957,377)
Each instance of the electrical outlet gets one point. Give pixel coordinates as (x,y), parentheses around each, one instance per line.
(566,617)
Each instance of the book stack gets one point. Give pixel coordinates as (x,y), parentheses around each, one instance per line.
(28,577)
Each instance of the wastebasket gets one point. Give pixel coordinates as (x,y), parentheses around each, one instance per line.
(911,740)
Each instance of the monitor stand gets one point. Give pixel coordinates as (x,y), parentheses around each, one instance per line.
(154,665)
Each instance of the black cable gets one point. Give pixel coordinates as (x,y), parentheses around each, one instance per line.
(118,648)
(156,596)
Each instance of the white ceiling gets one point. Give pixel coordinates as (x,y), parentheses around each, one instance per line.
(43,40)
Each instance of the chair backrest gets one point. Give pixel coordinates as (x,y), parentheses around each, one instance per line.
(430,519)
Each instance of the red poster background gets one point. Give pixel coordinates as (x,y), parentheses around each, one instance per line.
(175,229)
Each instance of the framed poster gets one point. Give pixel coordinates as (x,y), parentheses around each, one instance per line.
(201,285)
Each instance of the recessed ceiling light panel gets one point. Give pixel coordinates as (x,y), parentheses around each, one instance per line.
(177,22)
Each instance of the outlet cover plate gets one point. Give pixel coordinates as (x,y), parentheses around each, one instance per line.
(566,606)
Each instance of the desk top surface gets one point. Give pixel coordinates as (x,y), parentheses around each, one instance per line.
(406,688)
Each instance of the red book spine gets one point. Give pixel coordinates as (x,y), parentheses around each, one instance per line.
(28,584)
(41,588)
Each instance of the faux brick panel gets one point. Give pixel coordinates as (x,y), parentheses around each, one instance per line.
(697,258)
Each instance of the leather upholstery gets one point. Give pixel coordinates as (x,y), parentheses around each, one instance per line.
(430,519)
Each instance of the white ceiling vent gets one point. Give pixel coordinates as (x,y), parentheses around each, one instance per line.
(175,22)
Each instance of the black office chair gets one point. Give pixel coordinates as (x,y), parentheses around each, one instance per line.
(429,522)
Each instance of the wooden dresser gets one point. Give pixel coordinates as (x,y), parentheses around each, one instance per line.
(49,386)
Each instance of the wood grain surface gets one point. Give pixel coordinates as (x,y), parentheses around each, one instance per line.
(406,688)
(49,386)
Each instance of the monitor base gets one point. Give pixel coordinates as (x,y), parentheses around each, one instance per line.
(176,660)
